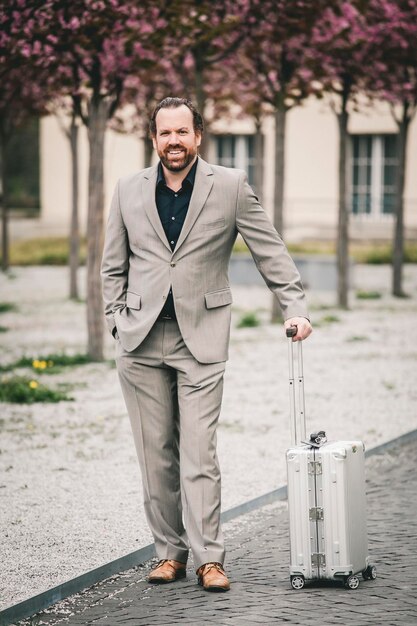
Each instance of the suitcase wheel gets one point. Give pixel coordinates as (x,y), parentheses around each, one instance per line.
(352,582)
(369,573)
(297,582)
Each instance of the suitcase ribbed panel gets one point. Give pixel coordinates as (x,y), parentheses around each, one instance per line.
(343,530)
(301,499)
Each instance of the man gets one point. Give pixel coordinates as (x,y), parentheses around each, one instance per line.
(167,298)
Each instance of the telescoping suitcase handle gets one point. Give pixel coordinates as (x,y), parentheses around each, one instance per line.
(298,418)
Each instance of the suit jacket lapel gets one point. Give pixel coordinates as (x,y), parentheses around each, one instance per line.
(202,186)
(148,190)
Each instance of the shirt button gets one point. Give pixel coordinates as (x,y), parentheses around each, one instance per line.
(172,242)
(176,195)
(173,218)
(172,264)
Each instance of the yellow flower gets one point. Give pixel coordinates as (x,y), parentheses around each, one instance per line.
(33,384)
(35,363)
(43,365)
(50,363)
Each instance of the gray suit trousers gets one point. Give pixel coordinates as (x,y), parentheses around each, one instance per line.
(174,403)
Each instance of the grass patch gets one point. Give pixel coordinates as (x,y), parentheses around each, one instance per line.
(326,320)
(357,338)
(24,390)
(379,254)
(52,363)
(330,319)
(388,385)
(368,295)
(249,320)
(7,307)
(43,251)
(312,247)
(55,251)
(373,253)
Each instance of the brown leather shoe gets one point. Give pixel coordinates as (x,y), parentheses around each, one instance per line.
(167,571)
(212,577)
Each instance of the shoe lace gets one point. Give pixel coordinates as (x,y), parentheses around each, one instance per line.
(209,566)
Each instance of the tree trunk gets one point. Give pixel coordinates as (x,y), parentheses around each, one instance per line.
(398,247)
(259,160)
(279,173)
(343,214)
(95,223)
(74,246)
(147,151)
(4,208)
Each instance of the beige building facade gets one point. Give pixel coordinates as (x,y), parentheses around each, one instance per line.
(311,183)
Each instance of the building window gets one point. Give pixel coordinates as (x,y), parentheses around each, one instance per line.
(22,168)
(374,168)
(237,151)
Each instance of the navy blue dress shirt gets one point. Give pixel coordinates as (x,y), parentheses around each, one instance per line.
(172,208)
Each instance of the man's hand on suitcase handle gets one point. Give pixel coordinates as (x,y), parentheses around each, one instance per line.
(301,326)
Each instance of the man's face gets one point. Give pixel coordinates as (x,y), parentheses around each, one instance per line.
(175,141)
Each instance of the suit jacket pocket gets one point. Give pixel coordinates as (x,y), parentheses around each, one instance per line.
(133,300)
(219,223)
(221,297)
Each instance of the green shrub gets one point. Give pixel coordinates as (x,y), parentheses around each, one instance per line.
(3,329)
(248,320)
(7,307)
(23,390)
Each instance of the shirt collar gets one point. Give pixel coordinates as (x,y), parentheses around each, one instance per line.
(189,179)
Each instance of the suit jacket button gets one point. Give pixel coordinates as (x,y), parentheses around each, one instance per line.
(172,264)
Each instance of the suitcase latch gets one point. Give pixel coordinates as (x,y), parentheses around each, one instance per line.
(318,559)
(316,514)
(315,468)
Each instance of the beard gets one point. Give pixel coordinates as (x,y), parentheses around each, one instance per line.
(180,161)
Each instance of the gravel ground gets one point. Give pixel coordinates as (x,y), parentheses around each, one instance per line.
(70,493)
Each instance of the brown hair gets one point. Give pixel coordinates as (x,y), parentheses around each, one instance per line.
(174,103)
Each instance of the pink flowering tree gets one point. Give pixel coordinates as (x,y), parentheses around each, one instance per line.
(393,37)
(275,75)
(21,97)
(93,47)
(201,36)
(199,39)
(340,60)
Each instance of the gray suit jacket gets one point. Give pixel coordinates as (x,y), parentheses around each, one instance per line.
(139,268)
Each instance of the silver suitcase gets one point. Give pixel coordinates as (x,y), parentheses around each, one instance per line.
(326,498)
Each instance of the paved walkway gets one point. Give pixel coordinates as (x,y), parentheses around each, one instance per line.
(258,566)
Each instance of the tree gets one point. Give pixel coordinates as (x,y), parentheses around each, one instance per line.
(277,49)
(94,47)
(20,98)
(339,60)
(393,39)
(201,35)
